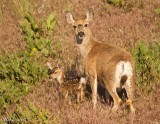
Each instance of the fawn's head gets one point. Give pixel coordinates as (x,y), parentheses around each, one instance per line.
(55,73)
(80,26)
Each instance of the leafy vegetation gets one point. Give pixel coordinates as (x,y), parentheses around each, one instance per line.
(21,70)
(18,72)
(157,11)
(126,5)
(38,37)
(115,2)
(147,59)
(30,114)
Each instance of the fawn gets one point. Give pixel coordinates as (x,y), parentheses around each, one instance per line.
(68,85)
(111,66)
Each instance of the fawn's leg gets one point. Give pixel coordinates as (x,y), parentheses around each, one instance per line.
(78,96)
(82,94)
(66,95)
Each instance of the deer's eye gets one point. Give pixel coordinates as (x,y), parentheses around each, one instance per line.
(74,27)
(86,25)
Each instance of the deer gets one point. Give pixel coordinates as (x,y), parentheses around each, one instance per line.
(67,85)
(111,66)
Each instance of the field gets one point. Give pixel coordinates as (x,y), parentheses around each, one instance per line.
(35,32)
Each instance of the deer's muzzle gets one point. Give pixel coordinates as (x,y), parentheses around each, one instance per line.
(81,34)
(79,37)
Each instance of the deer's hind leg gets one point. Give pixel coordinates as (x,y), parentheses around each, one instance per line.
(111,86)
(113,92)
(129,90)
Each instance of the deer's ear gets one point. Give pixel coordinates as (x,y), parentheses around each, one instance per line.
(69,18)
(89,16)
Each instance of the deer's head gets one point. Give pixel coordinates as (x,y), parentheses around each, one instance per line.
(55,73)
(81,27)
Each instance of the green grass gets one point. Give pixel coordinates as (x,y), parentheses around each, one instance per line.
(147,58)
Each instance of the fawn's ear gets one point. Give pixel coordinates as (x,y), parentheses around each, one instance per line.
(89,16)
(69,18)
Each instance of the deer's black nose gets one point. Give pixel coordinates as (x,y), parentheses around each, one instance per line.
(81,34)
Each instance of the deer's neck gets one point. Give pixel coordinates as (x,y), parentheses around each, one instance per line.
(85,48)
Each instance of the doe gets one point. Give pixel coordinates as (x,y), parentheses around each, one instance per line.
(111,66)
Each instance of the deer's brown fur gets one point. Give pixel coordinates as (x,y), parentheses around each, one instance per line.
(104,63)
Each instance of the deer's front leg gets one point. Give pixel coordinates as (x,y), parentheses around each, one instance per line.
(93,81)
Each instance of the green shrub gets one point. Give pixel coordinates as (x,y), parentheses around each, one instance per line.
(157,11)
(20,67)
(24,69)
(11,92)
(18,72)
(115,2)
(38,35)
(31,114)
(147,59)
(126,5)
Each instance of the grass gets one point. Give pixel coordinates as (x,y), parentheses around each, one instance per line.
(26,94)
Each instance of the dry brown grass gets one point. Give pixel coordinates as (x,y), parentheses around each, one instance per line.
(112,25)
(46,96)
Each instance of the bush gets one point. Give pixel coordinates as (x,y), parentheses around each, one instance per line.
(38,36)
(115,2)
(23,69)
(18,72)
(147,59)
(126,5)
(157,11)
(30,114)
